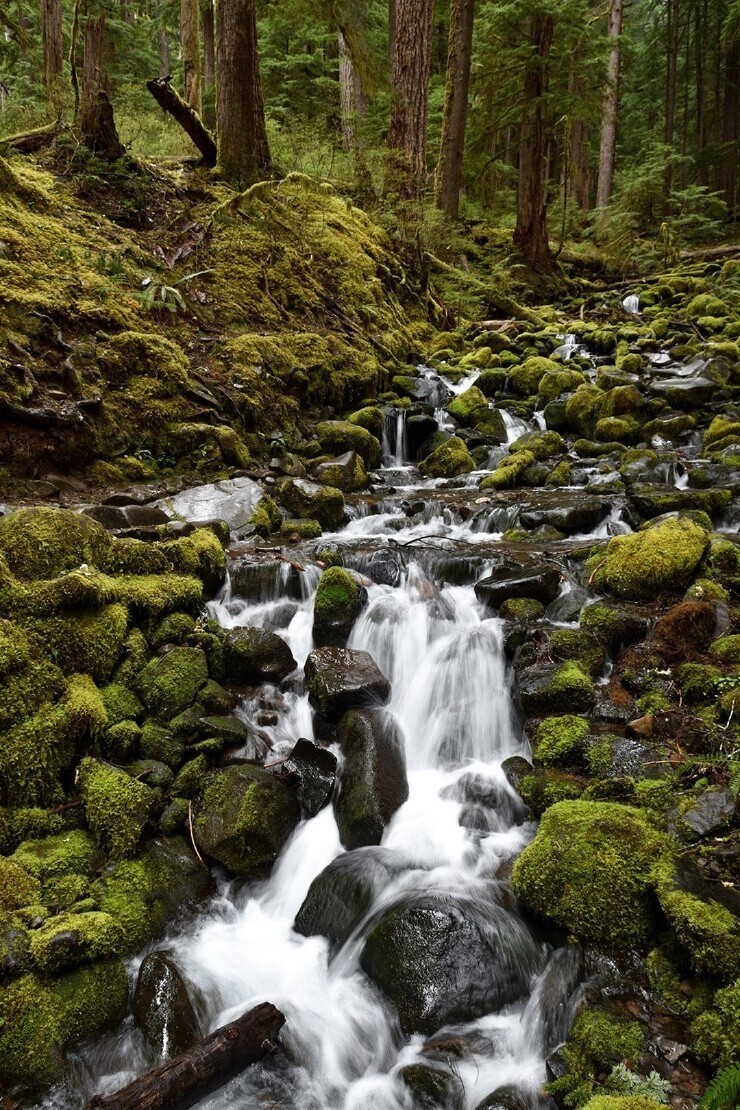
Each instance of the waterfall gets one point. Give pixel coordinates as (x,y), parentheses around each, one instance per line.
(394,448)
(631,304)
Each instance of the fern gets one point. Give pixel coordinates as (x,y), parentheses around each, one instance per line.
(723,1093)
(627,1082)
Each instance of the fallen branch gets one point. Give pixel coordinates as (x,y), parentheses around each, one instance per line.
(171,101)
(203,1069)
(30,142)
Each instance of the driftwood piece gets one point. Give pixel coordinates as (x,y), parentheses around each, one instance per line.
(171,101)
(202,1069)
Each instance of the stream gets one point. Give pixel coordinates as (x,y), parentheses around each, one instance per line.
(452,844)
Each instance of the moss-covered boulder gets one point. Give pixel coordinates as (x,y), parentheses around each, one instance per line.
(589,870)
(508,473)
(541,445)
(340,598)
(371,418)
(469,408)
(170,683)
(244,818)
(338,436)
(44,543)
(372,777)
(310,501)
(709,930)
(560,740)
(662,558)
(557,381)
(346,472)
(117,807)
(525,379)
(555,688)
(69,939)
(83,643)
(256,655)
(40,1018)
(449,460)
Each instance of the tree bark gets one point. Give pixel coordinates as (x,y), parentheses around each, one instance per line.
(244,154)
(209,63)
(352,99)
(611,101)
(170,100)
(163,40)
(127,12)
(577,168)
(203,1069)
(410,69)
(457,86)
(96,123)
(671,92)
(731,126)
(700,22)
(391,30)
(530,234)
(51,35)
(190,49)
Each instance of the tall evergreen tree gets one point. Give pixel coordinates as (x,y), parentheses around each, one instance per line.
(457,90)
(607,152)
(410,69)
(530,234)
(243,151)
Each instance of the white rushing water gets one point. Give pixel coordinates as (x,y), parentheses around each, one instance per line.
(343,1047)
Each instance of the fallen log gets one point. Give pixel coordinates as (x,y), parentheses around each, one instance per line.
(171,101)
(30,142)
(711,254)
(205,1068)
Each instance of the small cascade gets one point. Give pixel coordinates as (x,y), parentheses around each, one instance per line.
(515,426)
(631,304)
(394,448)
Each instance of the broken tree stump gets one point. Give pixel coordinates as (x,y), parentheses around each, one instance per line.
(171,101)
(204,1068)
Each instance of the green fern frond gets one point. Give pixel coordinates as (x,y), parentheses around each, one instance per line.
(723,1093)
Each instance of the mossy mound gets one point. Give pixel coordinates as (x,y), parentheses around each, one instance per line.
(663,557)
(117,806)
(560,740)
(449,460)
(589,871)
(704,926)
(170,683)
(310,501)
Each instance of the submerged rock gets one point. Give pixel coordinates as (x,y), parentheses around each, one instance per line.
(343,892)
(372,778)
(339,679)
(162,1007)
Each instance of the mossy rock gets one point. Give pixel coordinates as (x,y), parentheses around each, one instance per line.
(170,683)
(75,938)
(469,408)
(371,418)
(555,688)
(525,378)
(44,543)
(546,786)
(521,609)
(311,501)
(581,647)
(560,740)
(715,1034)
(345,472)
(541,445)
(340,598)
(707,305)
(244,818)
(338,436)
(450,460)
(726,649)
(120,703)
(663,557)
(508,473)
(589,870)
(40,1018)
(554,382)
(88,643)
(117,807)
(266,517)
(301,529)
(705,927)
(17,887)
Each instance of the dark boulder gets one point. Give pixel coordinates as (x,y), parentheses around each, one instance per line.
(508,1098)
(244,819)
(162,1007)
(433,1087)
(340,598)
(508,581)
(254,655)
(555,688)
(385,567)
(315,768)
(372,778)
(339,679)
(340,896)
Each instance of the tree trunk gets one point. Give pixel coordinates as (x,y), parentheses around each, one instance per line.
(530,235)
(127,12)
(205,1068)
(611,101)
(353,101)
(209,63)
(190,49)
(457,85)
(243,152)
(731,127)
(671,92)
(163,40)
(51,35)
(187,117)
(578,177)
(410,68)
(391,31)
(96,123)
(700,23)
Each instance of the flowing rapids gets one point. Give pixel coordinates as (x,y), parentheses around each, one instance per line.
(343,1047)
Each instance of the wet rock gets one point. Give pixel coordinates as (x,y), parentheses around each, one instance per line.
(255,655)
(433,1087)
(15,954)
(260,580)
(572,512)
(346,472)
(516,767)
(419,428)
(340,598)
(341,436)
(448,460)
(555,688)
(233,500)
(652,501)
(614,625)
(475,791)
(385,568)
(162,1007)
(244,819)
(663,557)
(566,608)
(710,814)
(343,892)
(339,679)
(372,778)
(438,966)
(310,501)
(684,393)
(508,581)
(315,769)
(507,1098)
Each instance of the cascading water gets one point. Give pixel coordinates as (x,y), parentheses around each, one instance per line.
(394,448)
(460,828)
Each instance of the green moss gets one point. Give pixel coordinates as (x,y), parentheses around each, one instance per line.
(616,429)
(540,445)
(581,408)
(726,649)
(310,501)
(120,703)
(665,981)
(191,779)
(41,1018)
(708,930)
(508,472)
(121,740)
(170,683)
(469,408)
(663,557)
(117,807)
(560,475)
(716,1033)
(449,460)
(157,742)
(560,739)
(554,382)
(74,938)
(525,379)
(697,681)
(370,418)
(154,595)
(54,858)
(581,647)
(521,609)
(83,642)
(17,887)
(706,304)
(43,543)
(622,1102)
(338,602)
(338,436)
(266,517)
(597,1041)
(547,786)
(589,870)
(172,629)
(303,529)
